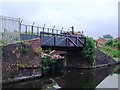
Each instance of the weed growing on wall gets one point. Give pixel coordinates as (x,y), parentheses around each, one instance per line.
(89,52)
(38,50)
(47,62)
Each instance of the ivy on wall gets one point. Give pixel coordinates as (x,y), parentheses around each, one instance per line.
(89,52)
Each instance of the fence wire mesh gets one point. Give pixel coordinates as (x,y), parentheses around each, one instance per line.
(9,30)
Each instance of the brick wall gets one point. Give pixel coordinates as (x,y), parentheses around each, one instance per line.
(20,59)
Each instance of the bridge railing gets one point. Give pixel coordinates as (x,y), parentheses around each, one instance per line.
(29,31)
(62,40)
(51,36)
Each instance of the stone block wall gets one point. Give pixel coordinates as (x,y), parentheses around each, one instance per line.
(21,59)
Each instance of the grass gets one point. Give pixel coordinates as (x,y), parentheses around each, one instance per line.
(114,53)
(117,70)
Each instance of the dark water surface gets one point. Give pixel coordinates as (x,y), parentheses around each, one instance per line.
(71,78)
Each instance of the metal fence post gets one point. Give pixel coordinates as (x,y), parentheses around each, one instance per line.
(44,27)
(32,30)
(38,31)
(61,30)
(53,29)
(26,29)
(66,41)
(77,41)
(20,25)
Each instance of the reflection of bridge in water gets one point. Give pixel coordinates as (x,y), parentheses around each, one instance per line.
(72,78)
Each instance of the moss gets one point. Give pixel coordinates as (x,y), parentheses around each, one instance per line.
(38,50)
(25,42)
(25,50)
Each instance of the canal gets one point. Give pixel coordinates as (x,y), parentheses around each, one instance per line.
(104,77)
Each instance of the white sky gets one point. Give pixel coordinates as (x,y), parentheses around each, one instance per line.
(94,17)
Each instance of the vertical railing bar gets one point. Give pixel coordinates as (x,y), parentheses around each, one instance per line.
(21,25)
(77,41)
(48,31)
(66,41)
(20,28)
(61,30)
(26,29)
(44,27)
(37,31)
(57,31)
(54,40)
(53,29)
(32,29)
(31,32)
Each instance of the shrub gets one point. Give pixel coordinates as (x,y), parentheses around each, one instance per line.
(109,43)
(111,52)
(47,62)
(89,52)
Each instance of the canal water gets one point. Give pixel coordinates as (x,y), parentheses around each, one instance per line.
(104,77)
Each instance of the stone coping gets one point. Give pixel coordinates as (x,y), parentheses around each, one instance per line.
(20,79)
(97,66)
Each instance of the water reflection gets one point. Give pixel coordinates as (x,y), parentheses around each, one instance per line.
(109,82)
(117,70)
(112,80)
(68,78)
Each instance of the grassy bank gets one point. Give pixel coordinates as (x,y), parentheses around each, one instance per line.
(112,52)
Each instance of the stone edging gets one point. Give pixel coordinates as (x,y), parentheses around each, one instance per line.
(93,67)
(20,79)
(103,65)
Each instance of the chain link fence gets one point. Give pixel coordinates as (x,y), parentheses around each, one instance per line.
(9,30)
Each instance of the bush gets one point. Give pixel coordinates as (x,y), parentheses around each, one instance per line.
(109,43)
(112,43)
(111,52)
(89,52)
(47,62)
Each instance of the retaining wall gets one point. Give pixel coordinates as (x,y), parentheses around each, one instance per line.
(75,60)
(20,60)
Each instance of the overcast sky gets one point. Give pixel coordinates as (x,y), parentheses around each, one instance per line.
(94,17)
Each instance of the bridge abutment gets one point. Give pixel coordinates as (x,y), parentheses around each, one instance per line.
(74,58)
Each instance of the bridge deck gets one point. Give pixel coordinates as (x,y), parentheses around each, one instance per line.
(62,40)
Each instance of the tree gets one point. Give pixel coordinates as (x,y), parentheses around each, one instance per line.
(89,52)
(109,43)
(107,36)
